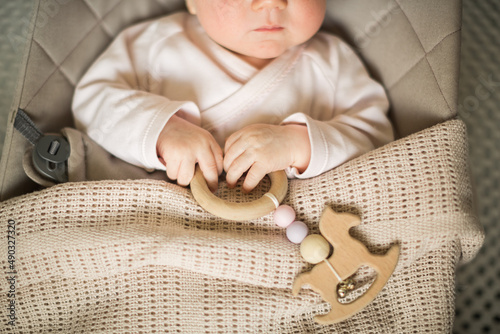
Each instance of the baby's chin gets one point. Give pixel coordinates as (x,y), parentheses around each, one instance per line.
(267,51)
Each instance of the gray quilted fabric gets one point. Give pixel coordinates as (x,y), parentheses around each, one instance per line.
(478,288)
(14,25)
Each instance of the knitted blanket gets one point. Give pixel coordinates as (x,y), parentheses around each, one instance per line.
(140,256)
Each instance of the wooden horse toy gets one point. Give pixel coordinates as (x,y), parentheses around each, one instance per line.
(348,255)
(330,275)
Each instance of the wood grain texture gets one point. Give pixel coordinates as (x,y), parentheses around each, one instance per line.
(239,211)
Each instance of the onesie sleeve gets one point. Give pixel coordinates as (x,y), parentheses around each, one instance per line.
(358,122)
(112,103)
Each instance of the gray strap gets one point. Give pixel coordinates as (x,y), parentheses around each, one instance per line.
(26,127)
(51,152)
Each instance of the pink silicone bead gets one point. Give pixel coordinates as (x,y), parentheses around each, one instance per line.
(296,232)
(284,215)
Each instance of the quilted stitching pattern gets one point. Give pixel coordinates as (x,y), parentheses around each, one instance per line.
(69,35)
(412,48)
(423,44)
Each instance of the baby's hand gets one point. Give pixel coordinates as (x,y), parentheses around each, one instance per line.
(264,148)
(181,145)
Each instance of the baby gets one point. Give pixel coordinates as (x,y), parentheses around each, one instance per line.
(238,85)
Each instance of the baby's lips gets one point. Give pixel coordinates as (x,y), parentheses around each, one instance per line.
(269,28)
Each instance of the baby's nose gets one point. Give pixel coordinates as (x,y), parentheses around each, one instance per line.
(269,4)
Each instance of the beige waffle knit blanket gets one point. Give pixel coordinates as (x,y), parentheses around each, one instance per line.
(141,256)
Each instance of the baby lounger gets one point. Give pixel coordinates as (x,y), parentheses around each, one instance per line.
(119,250)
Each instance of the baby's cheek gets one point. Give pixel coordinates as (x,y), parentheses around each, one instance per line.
(308,19)
(230,3)
(222,24)
(228,9)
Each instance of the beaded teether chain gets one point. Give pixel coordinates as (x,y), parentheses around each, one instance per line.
(314,248)
(330,275)
(349,255)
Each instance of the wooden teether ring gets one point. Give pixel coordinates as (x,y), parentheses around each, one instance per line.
(239,211)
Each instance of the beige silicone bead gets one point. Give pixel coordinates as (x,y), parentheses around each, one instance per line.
(314,248)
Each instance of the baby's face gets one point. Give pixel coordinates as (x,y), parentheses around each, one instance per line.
(261,29)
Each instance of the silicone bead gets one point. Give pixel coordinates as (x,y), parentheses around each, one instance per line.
(296,232)
(284,216)
(314,248)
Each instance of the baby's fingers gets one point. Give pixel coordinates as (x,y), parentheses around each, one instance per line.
(239,166)
(186,172)
(172,169)
(254,176)
(219,157)
(233,149)
(211,166)
(232,139)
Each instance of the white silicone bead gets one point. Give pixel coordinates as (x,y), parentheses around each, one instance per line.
(284,216)
(296,232)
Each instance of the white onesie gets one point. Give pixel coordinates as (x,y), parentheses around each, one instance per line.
(169,66)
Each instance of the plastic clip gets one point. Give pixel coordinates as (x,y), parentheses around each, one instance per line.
(50,157)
